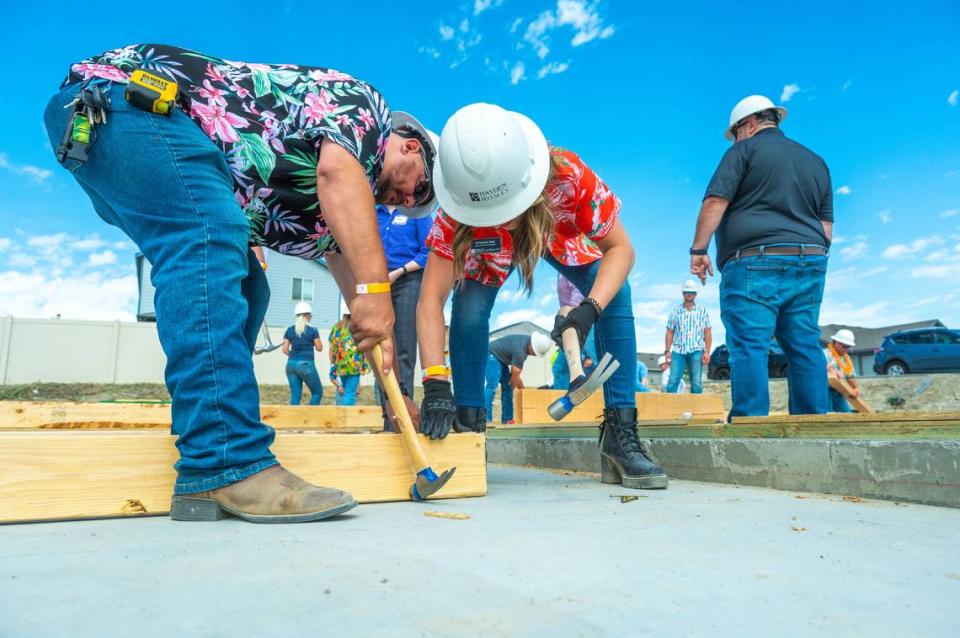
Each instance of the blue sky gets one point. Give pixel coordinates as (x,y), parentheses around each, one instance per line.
(641,91)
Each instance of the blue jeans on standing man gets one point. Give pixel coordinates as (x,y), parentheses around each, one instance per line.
(300,371)
(692,361)
(168,187)
(470,337)
(768,296)
(498,374)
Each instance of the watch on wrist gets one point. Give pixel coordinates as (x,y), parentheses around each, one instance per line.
(698,251)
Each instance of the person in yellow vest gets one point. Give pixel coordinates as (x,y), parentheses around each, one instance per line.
(840,366)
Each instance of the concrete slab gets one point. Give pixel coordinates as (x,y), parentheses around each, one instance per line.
(926,472)
(543,554)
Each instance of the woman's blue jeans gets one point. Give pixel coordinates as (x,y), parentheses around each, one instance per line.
(496,375)
(350,384)
(300,371)
(470,337)
(161,181)
(763,297)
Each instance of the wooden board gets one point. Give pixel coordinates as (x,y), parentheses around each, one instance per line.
(852,418)
(846,390)
(76,475)
(893,430)
(530,406)
(51,415)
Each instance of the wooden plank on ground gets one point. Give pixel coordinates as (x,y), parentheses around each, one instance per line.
(59,475)
(531,406)
(853,418)
(847,392)
(55,415)
(910,430)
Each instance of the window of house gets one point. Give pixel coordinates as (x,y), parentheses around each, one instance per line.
(302,289)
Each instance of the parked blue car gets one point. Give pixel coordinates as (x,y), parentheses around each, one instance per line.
(918,350)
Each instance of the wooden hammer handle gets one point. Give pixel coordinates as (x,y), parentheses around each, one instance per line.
(395,396)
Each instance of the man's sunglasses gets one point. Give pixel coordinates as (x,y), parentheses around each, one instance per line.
(423,191)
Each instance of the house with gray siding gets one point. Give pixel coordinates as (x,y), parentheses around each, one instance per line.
(291,280)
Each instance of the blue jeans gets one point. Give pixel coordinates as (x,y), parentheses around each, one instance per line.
(498,374)
(692,361)
(470,337)
(350,383)
(405,293)
(300,371)
(763,297)
(163,183)
(561,371)
(837,402)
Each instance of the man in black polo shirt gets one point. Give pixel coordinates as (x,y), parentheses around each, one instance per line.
(771,205)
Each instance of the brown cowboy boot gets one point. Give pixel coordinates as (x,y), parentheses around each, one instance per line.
(273,495)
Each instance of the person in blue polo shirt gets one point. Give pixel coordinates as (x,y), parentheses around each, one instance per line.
(299,342)
(404,242)
(770,203)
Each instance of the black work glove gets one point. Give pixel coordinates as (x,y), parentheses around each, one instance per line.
(582,318)
(438,409)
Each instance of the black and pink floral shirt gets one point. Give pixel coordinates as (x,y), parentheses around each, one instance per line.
(269,120)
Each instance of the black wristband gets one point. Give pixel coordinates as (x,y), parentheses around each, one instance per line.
(698,251)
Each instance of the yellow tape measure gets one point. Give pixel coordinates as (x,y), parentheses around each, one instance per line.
(151,91)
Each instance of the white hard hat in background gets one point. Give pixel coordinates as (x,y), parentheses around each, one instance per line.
(402,119)
(344,308)
(661,360)
(492,164)
(302,308)
(749,106)
(845,337)
(541,343)
(689,286)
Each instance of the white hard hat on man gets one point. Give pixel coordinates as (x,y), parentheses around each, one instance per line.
(751,105)
(845,337)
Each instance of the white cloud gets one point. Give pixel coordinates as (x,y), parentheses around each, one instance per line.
(479,6)
(854,251)
(950,212)
(91,242)
(5,244)
(953,97)
(552,68)
(844,190)
(432,52)
(446,32)
(90,296)
(846,85)
(885,216)
(583,17)
(464,25)
(940,271)
(515,25)
(899,251)
(103,258)
(36,174)
(511,295)
(544,320)
(517,73)
(789,90)
(549,299)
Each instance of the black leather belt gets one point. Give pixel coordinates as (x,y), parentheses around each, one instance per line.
(781,250)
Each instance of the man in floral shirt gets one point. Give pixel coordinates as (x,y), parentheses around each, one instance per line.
(278,155)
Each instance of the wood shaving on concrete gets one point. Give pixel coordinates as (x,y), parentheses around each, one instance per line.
(133,506)
(798,529)
(450,515)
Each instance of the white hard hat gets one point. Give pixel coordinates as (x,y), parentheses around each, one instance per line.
(541,343)
(749,106)
(344,308)
(689,286)
(303,308)
(491,166)
(402,119)
(845,337)
(661,360)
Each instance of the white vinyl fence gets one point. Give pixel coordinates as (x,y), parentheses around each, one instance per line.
(73,351)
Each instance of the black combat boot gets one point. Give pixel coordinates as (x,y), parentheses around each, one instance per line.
(622,458)
(470,420)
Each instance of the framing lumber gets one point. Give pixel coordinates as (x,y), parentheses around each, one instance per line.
(51,415)
(852,418)
(530,406)
(885,430)
(846,390)
(68,475)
